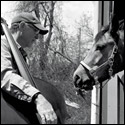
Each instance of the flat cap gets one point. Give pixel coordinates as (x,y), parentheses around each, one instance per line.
(29,18)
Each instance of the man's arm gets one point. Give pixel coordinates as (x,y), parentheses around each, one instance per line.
(11,82)
(16,86)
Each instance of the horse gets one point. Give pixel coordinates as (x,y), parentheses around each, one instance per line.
(104,59)
(14,111)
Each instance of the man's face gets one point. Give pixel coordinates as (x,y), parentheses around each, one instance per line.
(29,35)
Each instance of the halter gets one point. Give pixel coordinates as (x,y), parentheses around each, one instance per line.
(109,62)
(92,71)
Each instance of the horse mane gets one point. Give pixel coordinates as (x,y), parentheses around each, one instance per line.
(121,24)
(106,28)
(101,33)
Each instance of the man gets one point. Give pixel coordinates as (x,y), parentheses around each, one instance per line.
(25,29)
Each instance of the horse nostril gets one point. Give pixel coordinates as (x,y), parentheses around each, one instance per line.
(77,79)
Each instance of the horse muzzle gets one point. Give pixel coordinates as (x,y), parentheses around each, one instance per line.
(86,84)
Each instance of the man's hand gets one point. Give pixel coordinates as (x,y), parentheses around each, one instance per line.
(45,110)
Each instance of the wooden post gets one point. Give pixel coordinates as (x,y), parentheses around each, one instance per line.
(96,92)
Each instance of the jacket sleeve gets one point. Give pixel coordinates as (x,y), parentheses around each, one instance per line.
(11,81)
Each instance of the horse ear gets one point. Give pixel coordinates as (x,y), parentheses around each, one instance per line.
(114,25)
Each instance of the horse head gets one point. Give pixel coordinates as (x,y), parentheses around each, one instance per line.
(105,58)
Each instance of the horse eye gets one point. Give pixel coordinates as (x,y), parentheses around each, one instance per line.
(100,47)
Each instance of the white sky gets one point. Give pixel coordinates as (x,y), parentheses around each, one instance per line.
(72,11)
(6,8)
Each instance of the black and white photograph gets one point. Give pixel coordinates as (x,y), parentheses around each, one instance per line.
(62,62)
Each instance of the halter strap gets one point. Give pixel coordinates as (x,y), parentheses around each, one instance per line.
(86,66)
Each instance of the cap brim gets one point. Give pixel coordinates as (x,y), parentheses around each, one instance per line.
(43,31)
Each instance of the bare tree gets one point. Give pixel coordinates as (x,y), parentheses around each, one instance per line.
(85,35)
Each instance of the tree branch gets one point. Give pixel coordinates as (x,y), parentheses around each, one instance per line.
(62,55)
